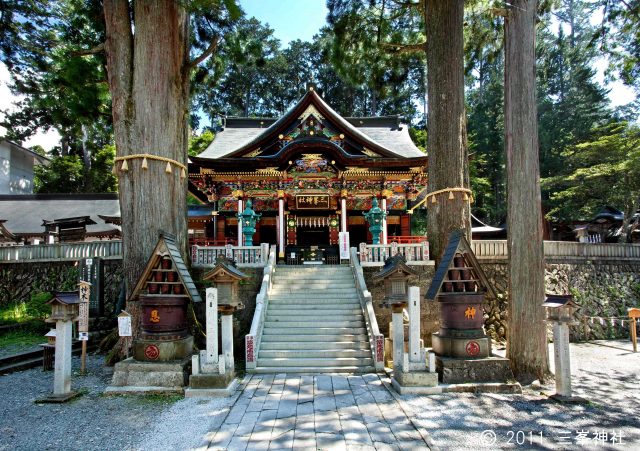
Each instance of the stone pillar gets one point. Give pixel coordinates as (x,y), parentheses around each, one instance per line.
(562,359)
(62,376)
(280,224)
(212,327)
(227,342)
(398,338)
(343,213)
(384,220)
(240,234)
(415,353)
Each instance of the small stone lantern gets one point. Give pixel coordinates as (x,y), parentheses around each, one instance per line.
(395,273)
(65,306)
(226,278)
(560,312)
(51,337)
(561,308)
(375,218)
(248,219)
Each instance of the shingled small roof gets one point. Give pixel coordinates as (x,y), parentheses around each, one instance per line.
(167,247)
(457,243)
(397,263)
(386,135)
(65,297)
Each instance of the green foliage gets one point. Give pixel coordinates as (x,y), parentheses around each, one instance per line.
(19,339)
(19,312)
(419,138)
(68,174)
(603,171)
(198,143)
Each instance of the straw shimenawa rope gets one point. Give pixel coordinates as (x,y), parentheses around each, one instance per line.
(467,195)
(145,156)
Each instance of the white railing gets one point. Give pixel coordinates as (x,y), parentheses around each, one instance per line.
(497,249)
(62,251)
(376,254)
(376,339)
(252,339)
(245,256)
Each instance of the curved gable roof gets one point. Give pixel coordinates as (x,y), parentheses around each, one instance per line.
(384,135)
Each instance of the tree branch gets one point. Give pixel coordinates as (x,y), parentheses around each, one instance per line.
(92,51)
(404,48)
(204,55)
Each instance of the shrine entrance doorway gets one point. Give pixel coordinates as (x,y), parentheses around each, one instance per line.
(312,236)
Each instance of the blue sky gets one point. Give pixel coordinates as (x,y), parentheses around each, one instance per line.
(291,19)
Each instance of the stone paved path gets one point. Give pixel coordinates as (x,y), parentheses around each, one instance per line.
(287,411)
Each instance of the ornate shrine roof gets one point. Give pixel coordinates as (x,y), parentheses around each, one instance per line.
(312,123)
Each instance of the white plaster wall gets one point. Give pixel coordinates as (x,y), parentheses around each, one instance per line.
(16,170)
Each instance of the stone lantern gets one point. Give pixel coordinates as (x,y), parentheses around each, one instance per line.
(375,218)
(395,274)
(561,308)
(214,374)
(560,312)
(65,307)
(248,219)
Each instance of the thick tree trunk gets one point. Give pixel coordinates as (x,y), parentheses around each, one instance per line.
(446,138)
(527,334)
(148,80)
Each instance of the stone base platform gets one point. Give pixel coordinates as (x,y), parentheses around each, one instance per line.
(132,376)
(57,399)
(210,390)
(464,371)
(416,382)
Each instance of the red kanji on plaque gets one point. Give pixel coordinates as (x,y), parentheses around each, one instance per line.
(472,348)
(152,352)
(249,347)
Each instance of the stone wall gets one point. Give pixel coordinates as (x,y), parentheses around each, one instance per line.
(429,315)
(18,281)
(603,289)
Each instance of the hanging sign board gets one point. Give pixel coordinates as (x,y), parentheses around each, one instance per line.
(124,324)
(83,336)
(83,316)
(312,202)
(344,245)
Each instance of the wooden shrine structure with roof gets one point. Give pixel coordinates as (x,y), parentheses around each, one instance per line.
(311,174)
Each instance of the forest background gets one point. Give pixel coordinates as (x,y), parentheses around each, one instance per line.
(368,60)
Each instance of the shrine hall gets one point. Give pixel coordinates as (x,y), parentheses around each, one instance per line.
(310,174)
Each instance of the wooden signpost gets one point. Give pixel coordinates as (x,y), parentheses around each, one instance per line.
(634,314)
(83,321)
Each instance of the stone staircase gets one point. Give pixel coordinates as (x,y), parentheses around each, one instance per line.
(314,323)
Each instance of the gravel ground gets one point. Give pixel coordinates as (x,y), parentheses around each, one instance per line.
(604,373)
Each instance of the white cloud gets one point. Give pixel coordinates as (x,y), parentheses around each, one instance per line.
(46,139)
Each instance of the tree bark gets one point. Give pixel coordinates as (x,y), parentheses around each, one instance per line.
(446,122)
(527,334)
(148,81)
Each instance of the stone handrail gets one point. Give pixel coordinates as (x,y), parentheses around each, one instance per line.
(252,339)
(62,251)
(376,339)
(376,254)
(244,256)
(497,249)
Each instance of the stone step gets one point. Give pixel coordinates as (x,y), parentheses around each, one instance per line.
(281,305)
(314,268)
(317,362)
(332,276)
(312,286)
(312,320)
(313,295)
(327,331)
(361,344)
(313,323)
(323,340)
(313,369)
(314,353)
(277,314)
